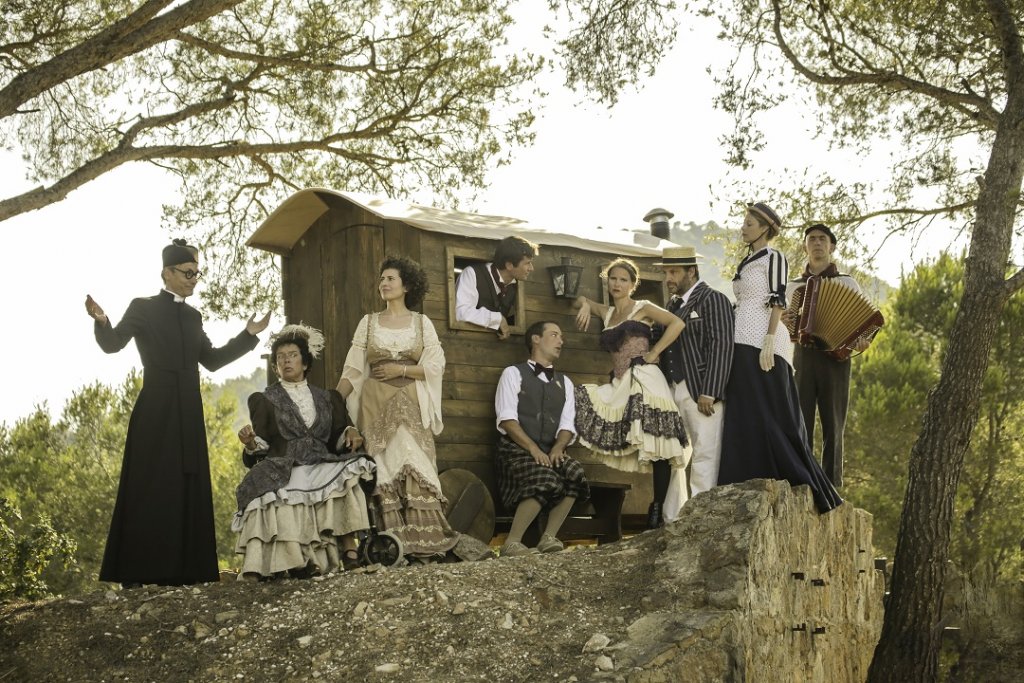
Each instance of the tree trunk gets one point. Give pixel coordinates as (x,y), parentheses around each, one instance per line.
(912,630)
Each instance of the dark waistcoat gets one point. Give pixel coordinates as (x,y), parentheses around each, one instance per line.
(540,406)
(492,300)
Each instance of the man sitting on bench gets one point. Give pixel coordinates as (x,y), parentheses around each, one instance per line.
(536,409)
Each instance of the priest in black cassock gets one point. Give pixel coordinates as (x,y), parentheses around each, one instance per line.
(162,529)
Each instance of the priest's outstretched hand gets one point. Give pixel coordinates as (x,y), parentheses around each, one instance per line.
(254,327)
(94,310)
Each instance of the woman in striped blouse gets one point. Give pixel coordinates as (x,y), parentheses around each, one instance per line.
(764,435)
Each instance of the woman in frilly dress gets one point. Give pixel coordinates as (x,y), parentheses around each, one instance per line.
(632,423)
(392,384)
(300,504)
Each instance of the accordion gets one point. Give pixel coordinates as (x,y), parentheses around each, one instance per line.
(828,315)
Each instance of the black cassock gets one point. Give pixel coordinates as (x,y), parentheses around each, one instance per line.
(162,529)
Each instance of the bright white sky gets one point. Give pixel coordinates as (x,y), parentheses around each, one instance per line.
(589,167)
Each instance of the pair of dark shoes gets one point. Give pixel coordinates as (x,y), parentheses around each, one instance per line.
(655,516)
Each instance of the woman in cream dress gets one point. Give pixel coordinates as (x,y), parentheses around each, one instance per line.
(392,386)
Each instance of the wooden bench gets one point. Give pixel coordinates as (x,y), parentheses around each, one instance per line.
(599,518)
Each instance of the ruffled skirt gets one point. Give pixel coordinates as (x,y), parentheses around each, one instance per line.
(632,421)
(408,492)
(296,528)
(410,500)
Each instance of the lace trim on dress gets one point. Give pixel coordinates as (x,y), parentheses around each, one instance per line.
(611,432)
(612,338)
(400,411)
(386,343)
(413,509)
(302,397)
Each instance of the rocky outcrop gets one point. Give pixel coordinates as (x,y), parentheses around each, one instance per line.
(756,586)
(750,585)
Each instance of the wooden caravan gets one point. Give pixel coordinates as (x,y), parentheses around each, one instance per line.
(331,245)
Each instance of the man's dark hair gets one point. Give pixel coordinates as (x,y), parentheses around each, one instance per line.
(695,269)
(513,249)
(299,341)
(535,330)
(414,277)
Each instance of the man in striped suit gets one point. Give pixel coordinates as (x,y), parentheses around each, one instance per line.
(697,365)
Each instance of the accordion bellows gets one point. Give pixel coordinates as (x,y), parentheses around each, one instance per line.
(831,316)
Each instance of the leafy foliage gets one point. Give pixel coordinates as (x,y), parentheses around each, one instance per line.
(867,76)
(24,555)
(64,475)
(248,100)
(890,389)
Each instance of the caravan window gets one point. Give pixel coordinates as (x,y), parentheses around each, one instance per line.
(458,258)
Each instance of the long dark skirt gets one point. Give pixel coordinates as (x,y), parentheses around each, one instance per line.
(764,435)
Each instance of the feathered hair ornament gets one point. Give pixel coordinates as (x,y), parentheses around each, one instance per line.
(314,337)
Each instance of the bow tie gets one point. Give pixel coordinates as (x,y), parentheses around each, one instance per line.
(674,302)
(539,370)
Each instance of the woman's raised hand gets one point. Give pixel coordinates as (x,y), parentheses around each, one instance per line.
(583,317)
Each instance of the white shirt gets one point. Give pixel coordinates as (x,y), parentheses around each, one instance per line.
(302,397)
(506,400)
(467,301)
(686,295)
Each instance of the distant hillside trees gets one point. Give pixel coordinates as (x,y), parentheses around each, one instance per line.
(62,475)
(890,386)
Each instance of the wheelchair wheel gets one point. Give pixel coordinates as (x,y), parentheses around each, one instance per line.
(382,548)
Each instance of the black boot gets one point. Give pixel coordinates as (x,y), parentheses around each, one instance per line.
(654,516)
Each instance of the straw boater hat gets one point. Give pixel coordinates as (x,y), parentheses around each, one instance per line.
(679,256)
(765,213)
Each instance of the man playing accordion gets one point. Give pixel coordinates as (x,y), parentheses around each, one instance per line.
(823,375)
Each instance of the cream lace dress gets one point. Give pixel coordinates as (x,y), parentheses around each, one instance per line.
(398,419)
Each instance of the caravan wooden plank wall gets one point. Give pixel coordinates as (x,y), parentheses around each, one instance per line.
(330,281)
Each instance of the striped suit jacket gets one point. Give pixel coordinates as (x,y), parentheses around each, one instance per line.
(702,355)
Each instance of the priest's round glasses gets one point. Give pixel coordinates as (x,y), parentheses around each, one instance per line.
(189,274)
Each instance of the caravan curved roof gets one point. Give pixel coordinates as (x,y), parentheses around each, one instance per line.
(283,228)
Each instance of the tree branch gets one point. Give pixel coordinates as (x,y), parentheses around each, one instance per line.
(283,60)
(883,79)
(1009,42)
(905,211)
(133,34)
(122,154)
(1015,283)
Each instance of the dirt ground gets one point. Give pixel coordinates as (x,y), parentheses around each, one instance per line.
(507,620)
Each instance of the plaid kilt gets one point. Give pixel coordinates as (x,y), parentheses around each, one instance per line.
(520,477)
